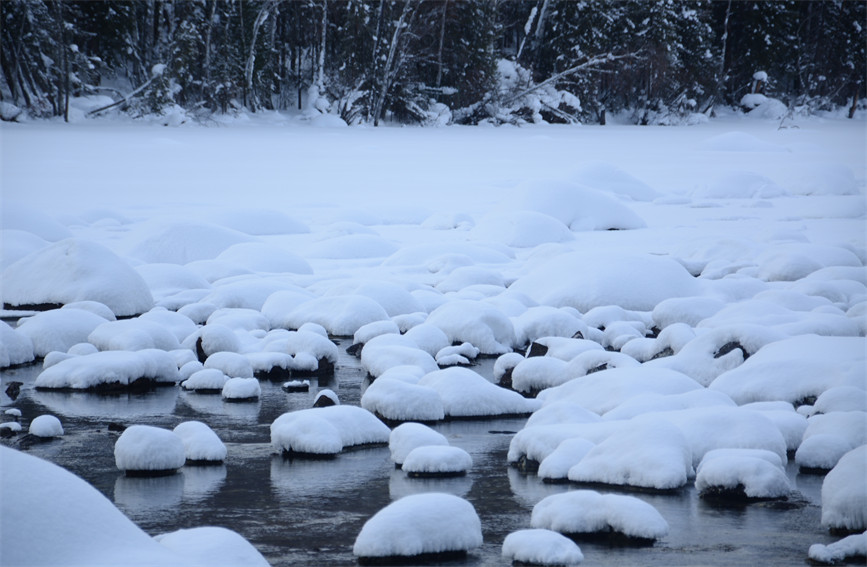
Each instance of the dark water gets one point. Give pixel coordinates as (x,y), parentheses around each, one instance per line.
(308,512)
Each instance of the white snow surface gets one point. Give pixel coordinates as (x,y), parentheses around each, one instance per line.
(327,430)
(408,436)
(420,523)
(437,459)
(760,472)
(464,393)
(148,448)
(541,547)
(109,367)
(58,329)
(850,546)
(844,492)
(46,426)
(212,545)
(241,389)
(588,511)
(200,442)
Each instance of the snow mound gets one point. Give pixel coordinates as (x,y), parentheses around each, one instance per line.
(327,430)
(538,373)
(185,242)
(852,546)
(584,280)
(520,229)
(578,207)
(829,436)
(541,547)
(147,449)
(822,452)
(585,512)
(133,334)
(57,329)
(76,270)
(740,185)
(844,493)
(46,426)
(387,351)
(241,389)
(397,400)
(482,325)
(758,473)
(739,142)
(261,222)
(611,179)
(200,442)
(341,315)
(464,393)
(394,298)
(206,379)
(408,436)
(419,524)
(568,453)
(543,321)
(264,258)
(437,460)
(19,217)
(231,364)
(351,247)
(796,368)
(110,369)
(168,280)
(211,545)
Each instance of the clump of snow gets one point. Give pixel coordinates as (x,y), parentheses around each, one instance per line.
(849,547)
(241,389)
(584,280)
(844,493)
(464,393)
(200,442)
(184,242)
(437,460)
(341,315)
(546,321)
(211,545)
(326,430)
(206,379)
(231,364)
(260,222)
(133,334)
(266,258)
(15,347)
(326,397)
(372,330)
(408,436)
(841,398)
(20,217)
(399,400)
(420,524)
(12,427)
(588,512)
(759,473)
(58,329)
(538,373)
(460,354)
(611,179)
(110,369)
(144,448)
(569,453)
(541,547)
(479,324)
(822,451)
(521,229)
(740,185)
(76,270)
(46,426)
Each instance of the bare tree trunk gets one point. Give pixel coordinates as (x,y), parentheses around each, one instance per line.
(440,48)
(253,101)
(320,77)
(208,32)
(392,62)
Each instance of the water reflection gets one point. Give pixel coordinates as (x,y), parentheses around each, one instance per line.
(143,497)
(116,407)
(347,473)
(202,481)
(400,485)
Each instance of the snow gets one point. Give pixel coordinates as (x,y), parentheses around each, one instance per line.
(327,430)
(420,523)
(759,472)
(340,315)
(58,329)
(205,379)
(133,334)
(60,520)
(849,547)
(437,460)
(464,393)
(541,547)
(408,436)
(587,511)
(482,325)
(241,389)
(844,493)
(200,442)
(46,426)
(110,368)
(231,364)
(397,400)
(148,448)
(76,270)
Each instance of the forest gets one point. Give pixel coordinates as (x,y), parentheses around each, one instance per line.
(430,61)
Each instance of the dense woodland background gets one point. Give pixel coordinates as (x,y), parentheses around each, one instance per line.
(430,61)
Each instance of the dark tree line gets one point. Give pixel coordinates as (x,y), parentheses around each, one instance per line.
(422,61)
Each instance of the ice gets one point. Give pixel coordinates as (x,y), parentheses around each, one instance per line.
(844,493)
(431,460)
(144,448)
(584,280)
(327,430)
(541,547)
(110,368)
(46,426)
(57,329)
(408,436)
(849,547)
(241,389)
(420,524)
(76,270)
(479,324)
(200,442)
(587,512)
(760,473)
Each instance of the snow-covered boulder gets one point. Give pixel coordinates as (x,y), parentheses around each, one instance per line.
(201,444)
(541,547)
(408,436)
(15,347)
(327,430)
(396,400)
(421,524)
(583,513)
(341,315)
(464,393)
(46,426)
(184,242)
(206,380)
(261,257)
(231,364)
(241,390)
(437,461)
(133,334)
(76,270)
(326,397)
(850,547)
(212,545)
(58,329)
(143,450)
(479,324)
(111,370)
(742,474)
(521,229)
(844,493)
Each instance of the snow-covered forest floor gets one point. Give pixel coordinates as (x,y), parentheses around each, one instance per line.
(719,266)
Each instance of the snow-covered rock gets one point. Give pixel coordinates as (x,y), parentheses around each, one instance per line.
(241,389)
(111,370)
(464,393)
(408,436)
(15,347)
(326,430)
(742,473)
(212,545)
(201,444)
(148,450)
(58,329)
(46,426)
(844,493)
(432,523)
(850,547)
(541,547)
(206,380)
(479,324)
(437,460)
(398,400)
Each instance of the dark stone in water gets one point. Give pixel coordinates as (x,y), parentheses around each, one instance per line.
(536,349)
(730,346)
(324,368)
(506,380)
(323,401)
(241,400)
(137,386)
(200,351)
(354,349)
(296,387)
(274,374)
(118,427)
(202,463)
(737,496)
(667,351)
(813,470)
(7,432)
(13,390)
(32,306)
(455,474)
(611,538)
(422,558)
(150,473)
(291,455)
(527,466)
